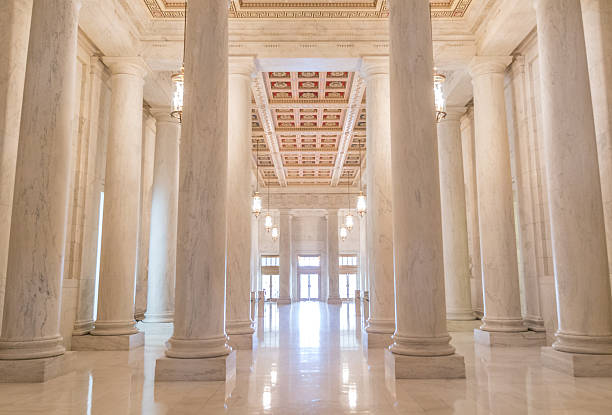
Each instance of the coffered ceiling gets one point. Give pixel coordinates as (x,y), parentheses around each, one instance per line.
(295,9)
(309,127)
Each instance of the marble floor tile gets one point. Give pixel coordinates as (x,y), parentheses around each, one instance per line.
(309,360)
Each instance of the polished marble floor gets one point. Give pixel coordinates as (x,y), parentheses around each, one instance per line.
(309,360)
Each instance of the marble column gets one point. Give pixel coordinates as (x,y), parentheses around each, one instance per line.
(238,324)
(471,206)
(597,18)
(14,34)
(164,216)
(333,293)
(198,348)
(381,323)
(363,255)
(30,343)
(502,322)
(284,253)
(583,345)
(454,218)
(144,227)
(94,185)
(421,347)
(114,328)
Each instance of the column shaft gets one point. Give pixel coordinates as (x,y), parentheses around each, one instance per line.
(471,204)
(30,328)
(240,155)
(333,293)
(597,18)
(284,253)
(454,219)
(199,326)
(14,33)
(164,216)
(121,199)
(381,322)
(502,304)
(577,223)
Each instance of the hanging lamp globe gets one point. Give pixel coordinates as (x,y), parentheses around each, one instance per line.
(362,206)
(274,233)
(256,205)
(349,222)
(178,85)
(343,234)
(440,101)
(268,222)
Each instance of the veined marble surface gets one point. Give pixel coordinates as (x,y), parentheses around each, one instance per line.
(310,361)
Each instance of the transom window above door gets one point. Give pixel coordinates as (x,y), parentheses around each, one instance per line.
(309,261)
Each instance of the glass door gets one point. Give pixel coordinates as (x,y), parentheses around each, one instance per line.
(347,284)
(309,287)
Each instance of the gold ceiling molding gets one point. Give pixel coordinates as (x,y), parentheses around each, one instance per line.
(253,9)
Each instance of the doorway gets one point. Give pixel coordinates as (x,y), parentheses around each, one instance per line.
(309,287)
(347,285)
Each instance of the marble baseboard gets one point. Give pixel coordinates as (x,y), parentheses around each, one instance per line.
(283,301)
(36,370)
(101,343)
(241,341)
(460,316)
(211,369)
(512,339)
(577,365)
(424,367)
(376,340)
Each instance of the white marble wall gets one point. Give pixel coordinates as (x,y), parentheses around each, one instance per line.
(14,34)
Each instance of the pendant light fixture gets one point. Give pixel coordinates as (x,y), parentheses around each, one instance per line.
(439,96)
(362,206)
(256,204)
(343,234)
(268,221)
(275,233)
(178,80)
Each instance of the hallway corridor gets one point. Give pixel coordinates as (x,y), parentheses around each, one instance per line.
(309,360)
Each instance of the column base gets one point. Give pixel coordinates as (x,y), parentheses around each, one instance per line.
(334,300)
(139,315)
(535,324)
(424,367)
(577,365)
(219,368)
(82,327)
(241,341)
(36,370)
(101,343)
(460,315)
(167,317)
(505,339)
(283,301)
(376,340)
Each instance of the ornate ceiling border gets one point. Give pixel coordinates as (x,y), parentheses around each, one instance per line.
(168,9)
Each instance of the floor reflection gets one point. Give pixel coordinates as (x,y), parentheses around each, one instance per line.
(309,360)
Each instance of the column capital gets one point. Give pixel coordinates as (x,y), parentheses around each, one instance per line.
(483,65)
(127,66)
(242,65)
(374,65)
(162,114)
(454,113)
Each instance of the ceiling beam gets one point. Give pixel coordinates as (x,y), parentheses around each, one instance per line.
(267,122)
(350,119)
